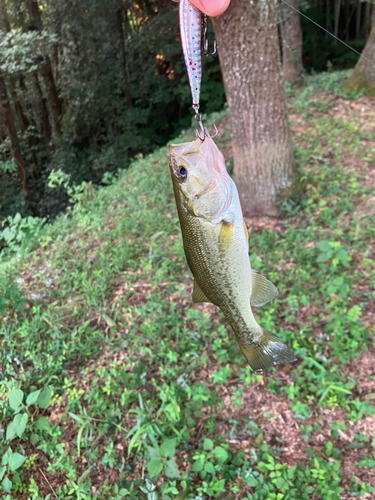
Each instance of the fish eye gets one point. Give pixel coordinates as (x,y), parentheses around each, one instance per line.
(182,173)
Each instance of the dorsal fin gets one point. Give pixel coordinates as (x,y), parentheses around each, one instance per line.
(262,290)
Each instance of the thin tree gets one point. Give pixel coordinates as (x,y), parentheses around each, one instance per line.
(124,65)
(291,36)
(11,131)
(337,18)
(358,18)
(363,75)
(42,117)
(46,71)
(264,166)
(22,119)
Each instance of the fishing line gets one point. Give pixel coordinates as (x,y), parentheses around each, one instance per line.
(334,36)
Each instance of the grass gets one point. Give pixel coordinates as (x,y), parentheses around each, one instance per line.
(113,385)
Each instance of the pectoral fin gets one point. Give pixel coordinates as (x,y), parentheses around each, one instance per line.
(246,233)
(262,290)
(198,295)
(226,236)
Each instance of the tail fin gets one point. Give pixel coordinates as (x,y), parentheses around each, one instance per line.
(267,352)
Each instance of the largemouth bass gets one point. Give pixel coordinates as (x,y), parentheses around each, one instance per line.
(215,241)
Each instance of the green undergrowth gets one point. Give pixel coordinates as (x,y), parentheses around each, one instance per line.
(113,385)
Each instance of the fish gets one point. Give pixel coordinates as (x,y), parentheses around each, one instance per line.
(216,245)
(190,19)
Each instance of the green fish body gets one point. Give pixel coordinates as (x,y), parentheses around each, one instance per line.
(215,241)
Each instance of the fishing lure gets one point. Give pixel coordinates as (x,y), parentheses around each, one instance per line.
(193,28)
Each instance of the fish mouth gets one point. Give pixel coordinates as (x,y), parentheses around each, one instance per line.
(184,149)
(209,187)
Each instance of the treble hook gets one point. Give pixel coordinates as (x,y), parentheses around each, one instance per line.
(204,38)
(202,130)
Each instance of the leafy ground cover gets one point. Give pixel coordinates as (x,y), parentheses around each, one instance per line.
(113,385)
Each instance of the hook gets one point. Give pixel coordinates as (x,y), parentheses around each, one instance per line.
(208,135)
(202,130)
(204,38)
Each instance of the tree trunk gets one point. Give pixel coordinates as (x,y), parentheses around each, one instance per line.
(363,75)
(328,17)
(291,35)
(53,97)
(337,18)
(12,133)
(367,23)
(358,18)
(249,56)
(125,72)
(347,19)
(23,121)
(35,19)
(5,16)
(43,118)
(56,62)
(46,71)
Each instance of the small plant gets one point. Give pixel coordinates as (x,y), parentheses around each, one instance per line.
(334,251)
(11,298)
(159,459)
(79,194)
(23,420)
(20,231)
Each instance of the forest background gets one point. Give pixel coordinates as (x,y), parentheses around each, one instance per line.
(93,84)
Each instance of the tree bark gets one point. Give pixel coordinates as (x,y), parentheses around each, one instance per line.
(291,35)
(22,119)
(367,23)
(12,133)
(43,118)
(56,62)
(363,75)
(53,97)
(249,54)
(47,73)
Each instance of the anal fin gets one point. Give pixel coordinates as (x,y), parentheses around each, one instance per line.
(262,290)
(198,295)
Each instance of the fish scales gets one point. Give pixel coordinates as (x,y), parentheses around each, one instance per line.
(222,278)
(216,248)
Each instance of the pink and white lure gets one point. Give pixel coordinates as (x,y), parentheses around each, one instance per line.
(193,26)
(191,35)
